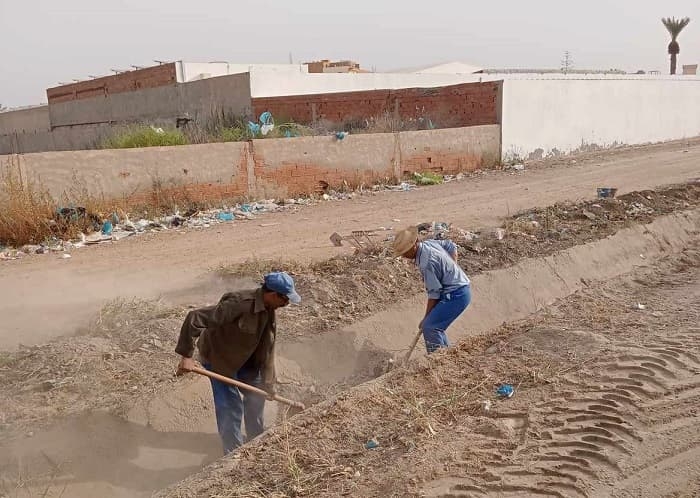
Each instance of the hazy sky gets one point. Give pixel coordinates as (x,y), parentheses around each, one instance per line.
(43,42)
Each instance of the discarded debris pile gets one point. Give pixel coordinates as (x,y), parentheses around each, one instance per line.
(124,353)
(337,291)
(543,231)
(118,226)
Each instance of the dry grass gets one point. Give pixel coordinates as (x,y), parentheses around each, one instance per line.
(29,214)
(144,136)
(26,210)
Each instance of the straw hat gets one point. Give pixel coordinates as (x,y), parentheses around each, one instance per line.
(404,240)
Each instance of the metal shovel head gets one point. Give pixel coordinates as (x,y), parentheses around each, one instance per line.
(336,239)
(285,412)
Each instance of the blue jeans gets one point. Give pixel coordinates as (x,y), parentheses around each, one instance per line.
(446,311)
(232,406)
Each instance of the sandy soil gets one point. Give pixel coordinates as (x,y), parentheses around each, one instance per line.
(44,297)
(100,414)
(606,404)
(125,356)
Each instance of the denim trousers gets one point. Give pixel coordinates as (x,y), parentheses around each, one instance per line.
(233,407)
(446,311)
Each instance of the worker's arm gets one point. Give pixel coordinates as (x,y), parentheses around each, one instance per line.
(269,374)
(267,355)
(431,304)
(433,287)
(450,247)
(196,322)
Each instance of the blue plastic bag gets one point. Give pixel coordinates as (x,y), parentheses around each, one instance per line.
(266,118)
(505,390)
(253,128)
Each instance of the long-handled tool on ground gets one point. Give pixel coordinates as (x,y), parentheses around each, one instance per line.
(408,355)
(242,385)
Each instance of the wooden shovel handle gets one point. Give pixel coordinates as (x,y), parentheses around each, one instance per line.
(247,387)
(413,346)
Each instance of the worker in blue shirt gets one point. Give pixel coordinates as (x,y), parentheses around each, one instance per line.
(447,285)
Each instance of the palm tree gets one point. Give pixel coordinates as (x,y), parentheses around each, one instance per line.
(674,27)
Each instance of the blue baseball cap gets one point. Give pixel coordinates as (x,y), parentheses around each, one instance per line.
(282,283)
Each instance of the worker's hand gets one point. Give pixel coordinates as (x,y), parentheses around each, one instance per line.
(270,390)
(185,365)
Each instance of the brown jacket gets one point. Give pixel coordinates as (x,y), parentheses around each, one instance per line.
(237,331)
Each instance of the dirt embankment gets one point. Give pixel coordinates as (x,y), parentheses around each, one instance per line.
(607,389)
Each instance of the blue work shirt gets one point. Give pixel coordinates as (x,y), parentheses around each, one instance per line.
(441,274)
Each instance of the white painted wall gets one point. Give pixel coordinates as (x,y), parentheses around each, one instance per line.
(267,84)
(566,114)
(192,71)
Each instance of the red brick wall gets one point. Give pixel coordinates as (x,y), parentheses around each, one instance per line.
(443,163)
(467,104)
(303,179)
(150,77)
(195,192)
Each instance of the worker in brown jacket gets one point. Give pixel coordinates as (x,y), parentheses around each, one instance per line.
(236,338)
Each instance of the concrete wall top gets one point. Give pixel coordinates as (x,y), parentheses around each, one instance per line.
(202,98)
(122,172)
(149,77)
(28,120)
(149,104)
(160,105)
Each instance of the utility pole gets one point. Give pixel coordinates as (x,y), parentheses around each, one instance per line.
(567,63)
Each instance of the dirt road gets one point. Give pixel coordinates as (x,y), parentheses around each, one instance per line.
(45,297)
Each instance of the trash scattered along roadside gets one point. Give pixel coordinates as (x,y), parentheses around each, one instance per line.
(114,227)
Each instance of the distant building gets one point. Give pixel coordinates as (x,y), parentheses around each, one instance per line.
(326,66)
(553,71)
(462,68)
(446,68)
(690,69)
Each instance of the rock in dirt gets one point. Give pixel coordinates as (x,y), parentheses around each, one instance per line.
(589,215)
